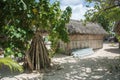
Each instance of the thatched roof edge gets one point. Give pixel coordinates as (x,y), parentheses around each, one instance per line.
(77,27)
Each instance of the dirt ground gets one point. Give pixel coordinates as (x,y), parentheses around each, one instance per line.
(102,65)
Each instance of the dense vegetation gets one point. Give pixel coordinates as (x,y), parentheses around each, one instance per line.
(20,20)
(105,12)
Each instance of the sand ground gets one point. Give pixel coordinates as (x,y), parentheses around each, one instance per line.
(102,65)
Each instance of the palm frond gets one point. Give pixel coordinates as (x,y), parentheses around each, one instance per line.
(14,66)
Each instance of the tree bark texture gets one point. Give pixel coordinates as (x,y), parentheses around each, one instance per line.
(37,56)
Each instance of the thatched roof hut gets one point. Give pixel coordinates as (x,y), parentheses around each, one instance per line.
(84,36)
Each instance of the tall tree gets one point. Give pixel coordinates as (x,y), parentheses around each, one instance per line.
(22,20)
(52,20)
(104,12)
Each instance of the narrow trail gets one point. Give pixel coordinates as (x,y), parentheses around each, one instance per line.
(98,66)
(109,50)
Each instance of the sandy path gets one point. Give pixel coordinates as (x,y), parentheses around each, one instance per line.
(98,66)
(109,50)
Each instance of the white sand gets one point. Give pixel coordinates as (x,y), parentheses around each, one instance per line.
(98,66)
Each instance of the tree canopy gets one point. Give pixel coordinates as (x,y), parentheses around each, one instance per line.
(105,12)
(21,18)
(20,22)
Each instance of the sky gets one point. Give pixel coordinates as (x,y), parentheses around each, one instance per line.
(78,7)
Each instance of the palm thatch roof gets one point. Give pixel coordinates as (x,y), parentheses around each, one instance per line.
(117,28)
(77,27)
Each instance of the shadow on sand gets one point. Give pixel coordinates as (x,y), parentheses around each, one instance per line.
(5,72)
(113,50)
(88,69)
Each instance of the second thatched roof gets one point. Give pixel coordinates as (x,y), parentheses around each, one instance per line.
(77,27)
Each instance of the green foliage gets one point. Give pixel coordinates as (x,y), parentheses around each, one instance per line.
(16,37)
(53,20)
(99,18)
(104,12)
(14,66)
(8,52)
(15,25)
(20,19)
(118,37)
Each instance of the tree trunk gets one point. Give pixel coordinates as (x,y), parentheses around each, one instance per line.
(37,56)
(119,45)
